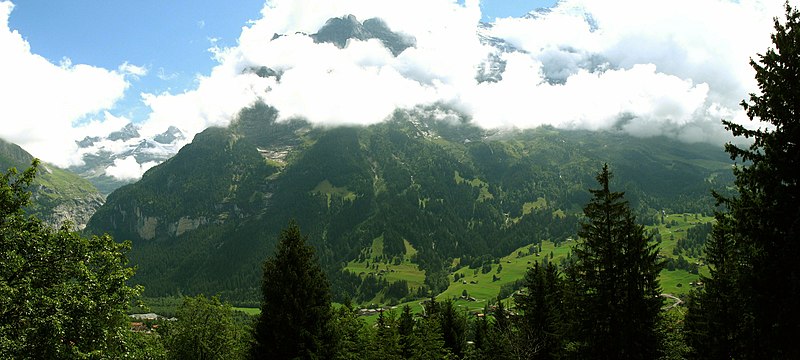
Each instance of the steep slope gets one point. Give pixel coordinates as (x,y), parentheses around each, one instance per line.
(205,219)
(59,195)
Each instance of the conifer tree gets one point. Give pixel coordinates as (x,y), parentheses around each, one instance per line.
(763,230)
(406,329)
(714,322)
(615,277)
(296,316)
(454,328)
(387,338)
(540,325)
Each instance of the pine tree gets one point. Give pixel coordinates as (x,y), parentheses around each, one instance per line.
(387,338)
(541,322)
(296,316)
(353,335)
(454,328)
(764,213)
(406,329)
(615,279)
(714,321)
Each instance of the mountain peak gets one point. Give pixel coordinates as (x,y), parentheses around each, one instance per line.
(169,136)
(339,30)
(126,133)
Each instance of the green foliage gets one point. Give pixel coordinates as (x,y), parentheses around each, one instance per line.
(205,329)
(61,295)
(614,280)
(748,308)
(542,322)
(296,318)
(53,188)
(431,190)
(353,336)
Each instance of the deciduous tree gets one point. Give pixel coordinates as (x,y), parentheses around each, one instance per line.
(61,295)
(205,329)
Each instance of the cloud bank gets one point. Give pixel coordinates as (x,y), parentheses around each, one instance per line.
(44,104)
(649,68)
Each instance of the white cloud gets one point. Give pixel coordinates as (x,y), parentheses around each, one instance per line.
(647,67)
(128,168)
(133,70)
(41,100)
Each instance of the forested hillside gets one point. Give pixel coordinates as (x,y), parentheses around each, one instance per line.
(58,195)
(202,221)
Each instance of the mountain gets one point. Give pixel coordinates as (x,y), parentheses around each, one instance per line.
(101,155)
(204,220)
(58,195)
(339,31)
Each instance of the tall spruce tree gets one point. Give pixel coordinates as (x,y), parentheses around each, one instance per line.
(296,315)
(540,326)
(615,276)
(715,321)
(759,248)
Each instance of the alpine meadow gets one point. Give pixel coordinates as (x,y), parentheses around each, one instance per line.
(346,187)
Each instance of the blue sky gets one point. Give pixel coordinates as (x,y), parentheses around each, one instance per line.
(672,68)
(170,38)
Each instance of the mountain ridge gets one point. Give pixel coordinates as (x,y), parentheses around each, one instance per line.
(204,220)
(58,195)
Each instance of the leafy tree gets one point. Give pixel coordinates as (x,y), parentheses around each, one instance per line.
(296,316)
(762,233)
(615,279)
(205,329)
(673,336)
(61,295)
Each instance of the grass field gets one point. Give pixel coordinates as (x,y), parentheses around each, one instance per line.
(248,311)
(673,229)
(481,286)
(389,269)
(483,289)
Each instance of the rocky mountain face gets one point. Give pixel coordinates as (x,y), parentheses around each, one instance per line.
(204,220)
(339,30)
(58,196)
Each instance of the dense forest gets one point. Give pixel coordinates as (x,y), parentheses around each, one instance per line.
(66,295)
(203,221)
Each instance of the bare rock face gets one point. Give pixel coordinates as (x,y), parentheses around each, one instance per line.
(76,212)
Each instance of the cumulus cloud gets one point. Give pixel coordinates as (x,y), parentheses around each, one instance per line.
(43,101)
(128,169)
(646,67)
(649,68)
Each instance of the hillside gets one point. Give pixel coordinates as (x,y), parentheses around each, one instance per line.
(58,195)
(425,180)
